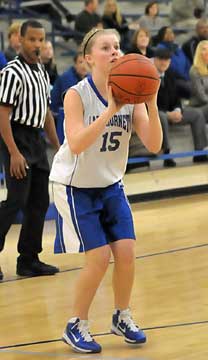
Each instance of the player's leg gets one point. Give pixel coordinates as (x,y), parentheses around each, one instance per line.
(118,224)
(80,230)
(123,272)
(123,278)
(77,332)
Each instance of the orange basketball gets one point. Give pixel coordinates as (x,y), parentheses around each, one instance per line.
(134,79)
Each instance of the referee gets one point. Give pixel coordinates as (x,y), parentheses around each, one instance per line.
(24,113)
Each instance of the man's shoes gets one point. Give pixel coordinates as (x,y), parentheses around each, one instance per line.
(200,158)
(78,336)
(169,163)
(123,325)
(34,267)
(1,275)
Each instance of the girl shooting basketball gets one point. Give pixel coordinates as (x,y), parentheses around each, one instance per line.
(88,192)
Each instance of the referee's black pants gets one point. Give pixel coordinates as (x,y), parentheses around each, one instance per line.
(30,195)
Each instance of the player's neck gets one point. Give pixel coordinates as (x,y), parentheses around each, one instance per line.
(101,84)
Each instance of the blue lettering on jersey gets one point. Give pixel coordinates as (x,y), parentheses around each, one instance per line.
(121,120)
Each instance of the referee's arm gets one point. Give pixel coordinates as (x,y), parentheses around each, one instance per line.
(50,130)
(18,163)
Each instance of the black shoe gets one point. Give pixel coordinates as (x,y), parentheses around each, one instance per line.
(200,158)
(1,275)
(169,163)
(34,267)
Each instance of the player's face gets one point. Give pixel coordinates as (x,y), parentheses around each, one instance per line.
(105,51)
(31,44)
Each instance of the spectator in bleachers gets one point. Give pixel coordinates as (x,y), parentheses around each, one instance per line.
(140,43)
(171,111)
(180,64)
(189,47)
(13,48)
(151,19)
(48,60)
(88,18)
(199,78)
(113,19)
(70,77)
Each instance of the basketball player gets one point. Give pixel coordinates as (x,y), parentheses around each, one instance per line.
(95,217)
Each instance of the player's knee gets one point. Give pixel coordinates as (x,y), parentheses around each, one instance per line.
(125,255)
(100,258)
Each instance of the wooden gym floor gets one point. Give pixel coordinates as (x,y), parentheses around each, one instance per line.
(169,300)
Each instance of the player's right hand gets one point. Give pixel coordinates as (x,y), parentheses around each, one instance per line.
(18,165)
(112,103)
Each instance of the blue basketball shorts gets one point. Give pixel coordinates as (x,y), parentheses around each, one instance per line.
(90,218)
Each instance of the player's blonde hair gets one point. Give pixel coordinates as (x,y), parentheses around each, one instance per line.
(198,62)
(91,36)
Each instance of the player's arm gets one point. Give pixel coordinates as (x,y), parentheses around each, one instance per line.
(18,163)
(79,136)
(147,125)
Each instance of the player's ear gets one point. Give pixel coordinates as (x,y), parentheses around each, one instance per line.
(88,59)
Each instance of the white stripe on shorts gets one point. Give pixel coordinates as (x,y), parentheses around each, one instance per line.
(70,238)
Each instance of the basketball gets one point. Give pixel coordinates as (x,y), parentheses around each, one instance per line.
(134,79)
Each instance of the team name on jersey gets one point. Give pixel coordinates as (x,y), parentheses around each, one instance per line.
(121,120)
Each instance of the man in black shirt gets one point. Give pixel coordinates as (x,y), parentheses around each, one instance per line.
(24,113)
(189,47)
(88,18)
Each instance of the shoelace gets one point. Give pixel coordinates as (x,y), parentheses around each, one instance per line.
(84,330)
(126,318)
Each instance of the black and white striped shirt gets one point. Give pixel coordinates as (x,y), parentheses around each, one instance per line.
(27,88)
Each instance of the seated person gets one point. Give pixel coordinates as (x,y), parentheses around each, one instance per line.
(189,47)
(151,19)
(14,41)
(140,43)
(88,18)
(199,79)
(70,77)
(113,19)
(180,64)
(171,111)
(48,60)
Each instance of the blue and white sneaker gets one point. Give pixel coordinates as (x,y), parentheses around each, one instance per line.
(78,336)
(123,325)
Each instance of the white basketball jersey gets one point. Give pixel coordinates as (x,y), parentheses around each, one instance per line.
(104,162)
